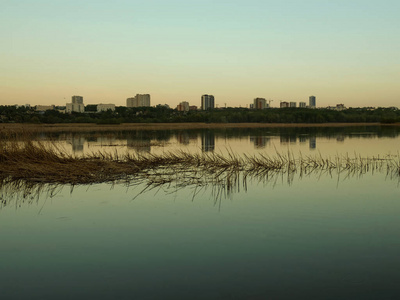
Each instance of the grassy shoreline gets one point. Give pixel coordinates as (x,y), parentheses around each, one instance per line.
(84,127)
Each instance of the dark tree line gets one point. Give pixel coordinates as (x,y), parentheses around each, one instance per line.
(162,114)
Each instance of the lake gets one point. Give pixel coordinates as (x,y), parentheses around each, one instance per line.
(319,234)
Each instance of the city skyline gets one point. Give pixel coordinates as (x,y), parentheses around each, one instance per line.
(206,102)
(143,100)
(344,52)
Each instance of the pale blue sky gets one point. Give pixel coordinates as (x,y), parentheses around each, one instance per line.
(340,51)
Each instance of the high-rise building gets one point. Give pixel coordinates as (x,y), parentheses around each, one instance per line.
(76,105)
(183,106)
(260,103)
(130,102)
(139,100)
(207,102)
(293,104)
(302,105)
(312,102)
(77,100)
(284,104)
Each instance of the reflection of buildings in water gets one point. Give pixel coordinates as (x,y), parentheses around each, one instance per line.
(340,138)
(313,142)
(77,142)
(138,142)
(292,139)
(139,145)
(284,139)
(183,138)
(91,139)
(259,141)
(106,140)
(302,138)
(207,141)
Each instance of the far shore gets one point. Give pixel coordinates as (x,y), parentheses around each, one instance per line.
(82,127)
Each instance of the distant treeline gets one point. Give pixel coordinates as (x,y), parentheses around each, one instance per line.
(162,114)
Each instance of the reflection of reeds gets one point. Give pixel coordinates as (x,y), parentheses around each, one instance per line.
(23,191)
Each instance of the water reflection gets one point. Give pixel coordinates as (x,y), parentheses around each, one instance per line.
(340,138)
(212,139)
(139,141)
(77,142)
(286,140)
(183,137)
(233,232)
(260,141)
(205,181)
(208,141)
(313,142)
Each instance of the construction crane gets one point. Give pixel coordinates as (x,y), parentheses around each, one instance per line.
(269,102)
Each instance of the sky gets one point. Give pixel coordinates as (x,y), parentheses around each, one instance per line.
(106,51)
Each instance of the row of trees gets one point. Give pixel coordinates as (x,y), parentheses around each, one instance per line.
(162,114)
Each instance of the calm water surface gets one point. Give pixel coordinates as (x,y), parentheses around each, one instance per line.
(320,236)
(366,140)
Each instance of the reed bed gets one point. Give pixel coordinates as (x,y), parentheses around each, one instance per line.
(30,168)
(45,162)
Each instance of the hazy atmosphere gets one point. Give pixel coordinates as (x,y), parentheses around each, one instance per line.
(341,51)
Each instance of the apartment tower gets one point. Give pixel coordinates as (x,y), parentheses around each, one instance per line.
(312,102)
(139,100)
(207,102)
(76,105)
(259,103)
